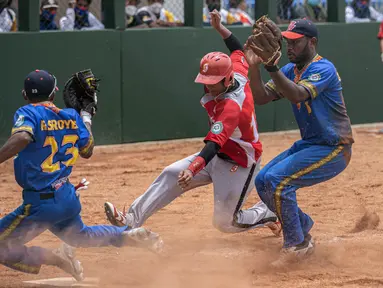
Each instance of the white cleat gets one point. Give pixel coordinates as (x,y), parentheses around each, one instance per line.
(71,264)
(144,238)
(116,217)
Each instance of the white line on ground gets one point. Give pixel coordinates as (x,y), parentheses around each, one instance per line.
(62,282)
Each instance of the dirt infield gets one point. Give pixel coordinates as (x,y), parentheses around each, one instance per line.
(199,255)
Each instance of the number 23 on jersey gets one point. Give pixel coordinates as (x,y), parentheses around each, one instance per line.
(48,166)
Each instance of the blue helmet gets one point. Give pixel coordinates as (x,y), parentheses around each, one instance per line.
(39,84)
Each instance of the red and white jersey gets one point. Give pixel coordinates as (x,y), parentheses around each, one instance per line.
(232,118)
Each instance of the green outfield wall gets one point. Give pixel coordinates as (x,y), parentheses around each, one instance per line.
(148,90)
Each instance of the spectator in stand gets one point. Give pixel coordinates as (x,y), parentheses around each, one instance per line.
(315,11)
(287,11)
(78,17)
(238,8)
(132,19)
(8,22)
(155,15)
(227,18)
(360,11)
(48,11)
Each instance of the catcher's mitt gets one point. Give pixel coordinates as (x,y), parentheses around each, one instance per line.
(266,41)
(80,92)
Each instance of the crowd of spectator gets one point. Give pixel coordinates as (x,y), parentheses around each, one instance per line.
(77,16)
(311,9)
(152,13)
(359,11)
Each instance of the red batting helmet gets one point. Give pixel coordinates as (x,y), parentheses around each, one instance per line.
(215,67)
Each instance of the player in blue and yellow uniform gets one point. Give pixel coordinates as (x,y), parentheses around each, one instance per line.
(313,86)
(47,142)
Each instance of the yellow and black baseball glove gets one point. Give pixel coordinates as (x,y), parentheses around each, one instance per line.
(80,92)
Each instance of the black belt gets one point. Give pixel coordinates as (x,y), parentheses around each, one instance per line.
(225,157)
(45,196)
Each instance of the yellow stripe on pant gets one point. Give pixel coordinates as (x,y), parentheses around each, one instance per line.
(24,268)
(300,173)
(15,222)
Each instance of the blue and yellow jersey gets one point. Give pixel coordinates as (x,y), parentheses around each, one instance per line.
(58,136)
(322,119)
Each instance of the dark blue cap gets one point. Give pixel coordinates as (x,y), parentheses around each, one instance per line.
(39,84)
(299,28)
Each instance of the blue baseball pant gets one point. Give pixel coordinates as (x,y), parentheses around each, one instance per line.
(61,216)
(303,165)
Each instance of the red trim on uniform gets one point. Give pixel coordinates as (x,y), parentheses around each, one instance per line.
(48,105)
(197,165)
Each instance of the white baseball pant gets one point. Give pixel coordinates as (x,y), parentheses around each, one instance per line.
(232,185)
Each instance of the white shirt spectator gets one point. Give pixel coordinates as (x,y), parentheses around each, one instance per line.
(374,15)
(67,22)
(7,20)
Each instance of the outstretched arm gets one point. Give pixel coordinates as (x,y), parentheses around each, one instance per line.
(262,95)
(87,150)
(232,42)
(291,91)
(15,144)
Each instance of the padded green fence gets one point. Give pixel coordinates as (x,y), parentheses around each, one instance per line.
(148,90)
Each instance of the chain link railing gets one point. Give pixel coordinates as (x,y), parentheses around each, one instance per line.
(66,19)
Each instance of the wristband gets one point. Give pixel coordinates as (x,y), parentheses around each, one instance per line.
(197,165)
(86,117)
(274,68)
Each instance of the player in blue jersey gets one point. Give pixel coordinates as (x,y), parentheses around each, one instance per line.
(47,142)
(312,85)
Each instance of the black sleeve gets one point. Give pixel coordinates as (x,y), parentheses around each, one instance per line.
(233,44)
(209,151)
(145,17)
